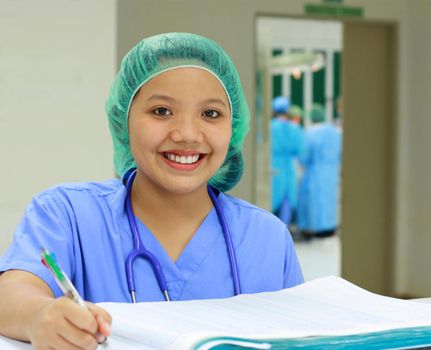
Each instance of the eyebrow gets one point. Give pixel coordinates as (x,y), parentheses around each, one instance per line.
(215,100)
(172,99)
(160,97)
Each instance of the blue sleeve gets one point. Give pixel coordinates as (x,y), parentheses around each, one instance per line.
(340,146)
(292,270)
(45,224)
(305,155)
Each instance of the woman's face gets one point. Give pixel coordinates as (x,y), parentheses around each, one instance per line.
(179,129)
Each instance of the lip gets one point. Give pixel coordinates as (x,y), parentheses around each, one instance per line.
(183,167)
(183,152)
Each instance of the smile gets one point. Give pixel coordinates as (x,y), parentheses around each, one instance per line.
(190,159)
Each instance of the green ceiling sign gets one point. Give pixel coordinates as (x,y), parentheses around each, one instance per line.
(338,2)
(333,10)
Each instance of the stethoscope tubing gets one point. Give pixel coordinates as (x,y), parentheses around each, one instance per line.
(139,249)
(228,239)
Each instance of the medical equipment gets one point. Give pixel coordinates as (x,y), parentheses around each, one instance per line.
(139,250)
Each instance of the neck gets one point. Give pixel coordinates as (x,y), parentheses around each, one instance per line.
(162,210)
(173,218)
(149,198)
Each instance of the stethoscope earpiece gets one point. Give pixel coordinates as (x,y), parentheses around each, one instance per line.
(127,174)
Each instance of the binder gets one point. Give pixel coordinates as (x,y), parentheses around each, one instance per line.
(326,313)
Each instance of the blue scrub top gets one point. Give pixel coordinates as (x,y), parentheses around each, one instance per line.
(86,226)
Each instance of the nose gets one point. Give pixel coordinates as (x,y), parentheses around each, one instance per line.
(187,129)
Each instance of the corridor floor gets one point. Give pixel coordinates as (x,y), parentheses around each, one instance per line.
(319,257)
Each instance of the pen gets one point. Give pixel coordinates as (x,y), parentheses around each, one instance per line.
(50,261)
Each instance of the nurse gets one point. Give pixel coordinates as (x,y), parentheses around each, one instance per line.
(178,115)
(286,145)
(318,190)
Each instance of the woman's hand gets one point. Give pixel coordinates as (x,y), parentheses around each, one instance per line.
(61,324)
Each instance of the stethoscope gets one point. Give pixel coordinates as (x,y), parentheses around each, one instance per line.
(139,250)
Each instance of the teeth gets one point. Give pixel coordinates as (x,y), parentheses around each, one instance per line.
(182,159)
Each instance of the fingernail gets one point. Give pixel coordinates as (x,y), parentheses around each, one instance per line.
(104,325)
(108,327)
(100,338)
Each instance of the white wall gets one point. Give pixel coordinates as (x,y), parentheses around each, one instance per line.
(305,34)
(415,144)
(57,60)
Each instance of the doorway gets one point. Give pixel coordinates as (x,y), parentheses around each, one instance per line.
(359,59)
(299,62)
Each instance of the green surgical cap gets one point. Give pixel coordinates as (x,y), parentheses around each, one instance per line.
(162,52)
(317,113)
(295,110)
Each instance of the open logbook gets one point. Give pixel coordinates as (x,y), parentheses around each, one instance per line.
(322,313)
(325,313)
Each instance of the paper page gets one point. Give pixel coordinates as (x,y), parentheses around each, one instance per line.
(117,343)
(325,306)
(114,343)
(10,344)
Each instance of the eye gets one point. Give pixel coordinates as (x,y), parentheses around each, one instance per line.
(162,111)
(211,113)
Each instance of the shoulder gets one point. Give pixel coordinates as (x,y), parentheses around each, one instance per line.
(101,189)
(246,217)
(238,204)
(69,193)
(264,246)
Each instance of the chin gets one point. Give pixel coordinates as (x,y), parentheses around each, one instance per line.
(186,187)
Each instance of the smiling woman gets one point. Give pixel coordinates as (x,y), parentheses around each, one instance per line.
(172,124)
(166,230)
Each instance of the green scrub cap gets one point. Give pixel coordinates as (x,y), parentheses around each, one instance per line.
(155,55)
(295,110)
(317,113)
